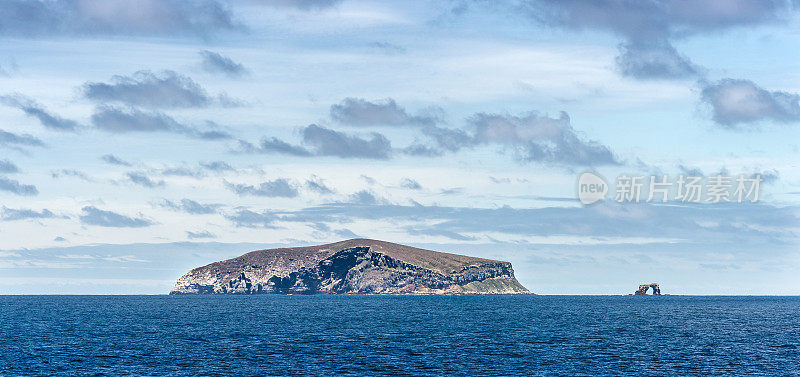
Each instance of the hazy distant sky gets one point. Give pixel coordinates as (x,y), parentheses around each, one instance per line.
(141,139)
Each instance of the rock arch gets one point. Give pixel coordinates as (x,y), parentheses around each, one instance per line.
(644,287)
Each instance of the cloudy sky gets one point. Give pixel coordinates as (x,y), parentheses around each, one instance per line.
(138,140)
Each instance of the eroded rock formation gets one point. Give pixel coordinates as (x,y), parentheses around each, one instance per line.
(358,266)
(644,287)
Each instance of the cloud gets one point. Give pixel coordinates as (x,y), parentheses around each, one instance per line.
(322,141)
(215,63)
(199,235)
(114,160)
(421,150)
(448,139)
(14,140)
(539,138)
(305,5)
(274,145)
(360,112)
(15,187)
(387,48)
(410,184)
(736,102)
(328,142)
(182,172)
(417,231)
(141,179)
(9,214)
(217,166)
(191,207)
(317,185)
(8,167)
(768,176)
(146,89)
(364,197)
(71,173)
(738,224)
(649,26)
(116,120)
(249,219)
(94,216)
(276,188)
(654,62)
(41,18)
(31,108)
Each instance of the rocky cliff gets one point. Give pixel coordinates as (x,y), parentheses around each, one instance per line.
(357,266)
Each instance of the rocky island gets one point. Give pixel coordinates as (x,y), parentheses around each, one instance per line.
(642,291)
(356,266)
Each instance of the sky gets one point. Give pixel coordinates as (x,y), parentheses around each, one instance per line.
(140,140)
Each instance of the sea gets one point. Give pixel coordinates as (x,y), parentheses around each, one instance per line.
(277,335)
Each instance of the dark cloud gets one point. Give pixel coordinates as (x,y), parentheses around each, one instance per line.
(215,63)
(274,145)
(317,185)
(114,160)
(191,206)
(327,142)
(146,89)
(538,138)
(32,108)
(9,214)
(15,187)
(649,26)
(322,141)
(360,112)
(449,139)
(142,179)
(71,173)
(276,188)
(41,18)
(363,197)
(736,102)
(8,167)
(95,216)
(249,219)
(654,62)
(199,235)
(410,184)
(16,140)
(217,166)
(116,120)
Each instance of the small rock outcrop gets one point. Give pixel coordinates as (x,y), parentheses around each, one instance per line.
(644,287)
(358,266)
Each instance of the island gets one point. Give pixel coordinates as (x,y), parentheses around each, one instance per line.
(356,266)
(642,291)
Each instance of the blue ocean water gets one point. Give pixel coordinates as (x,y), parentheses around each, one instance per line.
(390,335)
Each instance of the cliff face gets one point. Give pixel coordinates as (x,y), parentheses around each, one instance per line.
(357,266)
